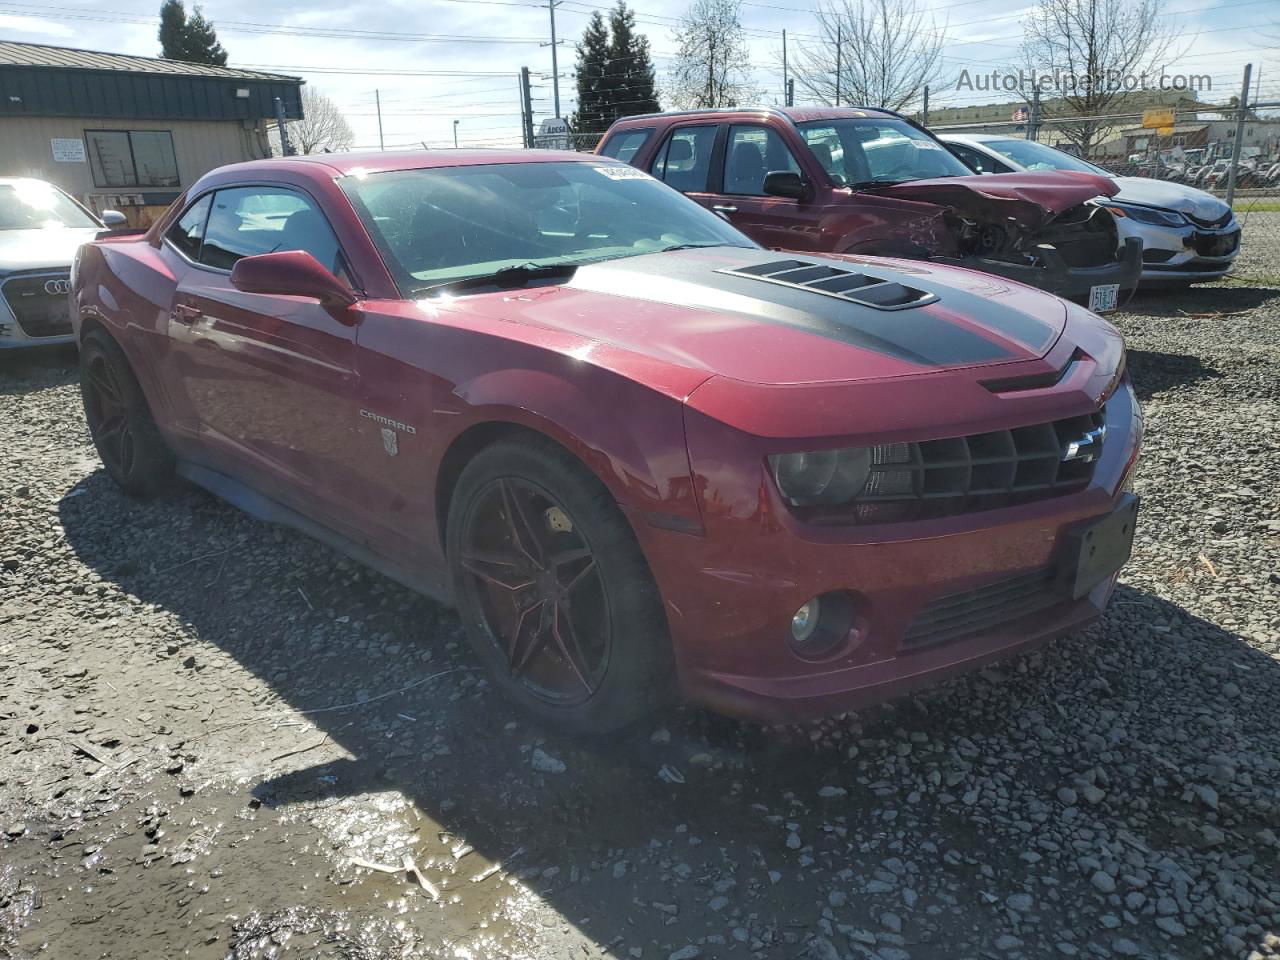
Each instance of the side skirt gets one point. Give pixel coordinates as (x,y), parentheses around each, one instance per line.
(434,585)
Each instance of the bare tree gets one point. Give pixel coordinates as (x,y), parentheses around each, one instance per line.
(875,53)
(711,65)
(1087,55)
(322,128)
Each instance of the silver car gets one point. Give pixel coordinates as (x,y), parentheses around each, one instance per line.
(40,230)
(1187,235)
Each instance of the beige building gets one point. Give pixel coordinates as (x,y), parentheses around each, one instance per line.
(130,133)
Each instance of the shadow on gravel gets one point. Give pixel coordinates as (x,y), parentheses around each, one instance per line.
(1200,300)
(1154,372)
(924,780)
(25,371)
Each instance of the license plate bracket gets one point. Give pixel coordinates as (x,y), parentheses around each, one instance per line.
(1098,548)
(1104,297)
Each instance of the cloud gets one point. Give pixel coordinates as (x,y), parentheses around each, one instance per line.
(34,25)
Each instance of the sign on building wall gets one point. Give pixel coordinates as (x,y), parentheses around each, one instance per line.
(68,150)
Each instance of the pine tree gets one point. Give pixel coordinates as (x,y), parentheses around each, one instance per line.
(173,24)
(630,67)
(594,113)
(191,39)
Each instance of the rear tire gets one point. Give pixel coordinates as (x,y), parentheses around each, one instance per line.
(554,593)
(120,421)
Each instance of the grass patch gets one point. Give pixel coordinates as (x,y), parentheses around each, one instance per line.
(1256,206)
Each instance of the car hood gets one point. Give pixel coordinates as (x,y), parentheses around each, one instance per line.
(1170,196)
(35,249)
(1049,193)
(698,309)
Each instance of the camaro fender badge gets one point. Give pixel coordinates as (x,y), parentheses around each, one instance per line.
(1087,447)
(391,430)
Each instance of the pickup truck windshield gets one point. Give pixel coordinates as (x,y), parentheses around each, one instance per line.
(34,205)
(866,151)
(443,224)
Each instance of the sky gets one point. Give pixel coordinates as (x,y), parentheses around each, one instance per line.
(435,61)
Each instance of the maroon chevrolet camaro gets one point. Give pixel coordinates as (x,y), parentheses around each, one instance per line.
(639,453)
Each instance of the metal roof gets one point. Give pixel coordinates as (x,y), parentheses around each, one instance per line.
(71,58)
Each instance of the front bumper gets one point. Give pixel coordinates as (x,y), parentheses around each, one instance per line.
(730,596)
(1052,273)
(1186,253)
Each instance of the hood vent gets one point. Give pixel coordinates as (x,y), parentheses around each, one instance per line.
(863,289)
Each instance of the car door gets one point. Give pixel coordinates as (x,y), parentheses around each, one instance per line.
(686,161)
(751,151)
(269,380)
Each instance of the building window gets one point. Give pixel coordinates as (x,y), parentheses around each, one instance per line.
(132,158)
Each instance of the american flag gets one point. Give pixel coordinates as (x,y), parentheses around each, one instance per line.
(1020,115)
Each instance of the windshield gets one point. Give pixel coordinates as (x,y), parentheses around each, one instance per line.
(865,151)
(1036,156)
(442,224)
(34,205)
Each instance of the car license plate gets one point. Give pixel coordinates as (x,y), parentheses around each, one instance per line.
(1098,548)
(1104,297)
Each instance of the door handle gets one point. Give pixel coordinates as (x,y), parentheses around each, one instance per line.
(186,313)
(724,208)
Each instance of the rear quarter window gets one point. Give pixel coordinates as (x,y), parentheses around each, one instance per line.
(625,144)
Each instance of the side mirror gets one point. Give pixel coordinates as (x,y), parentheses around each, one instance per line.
(113,219)
(292,273)
(785,183)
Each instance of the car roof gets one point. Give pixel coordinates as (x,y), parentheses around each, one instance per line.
(975,137)
(381,161)
(795,114)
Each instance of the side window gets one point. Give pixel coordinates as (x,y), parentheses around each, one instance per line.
(685,159)
(188,231)
(753,152)
(247,221)
(825,144)
(625,144)
(979,161)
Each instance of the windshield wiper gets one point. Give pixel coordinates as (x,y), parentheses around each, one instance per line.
(508,278)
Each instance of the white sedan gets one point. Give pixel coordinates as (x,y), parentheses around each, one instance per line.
(1187,235)
(40,230)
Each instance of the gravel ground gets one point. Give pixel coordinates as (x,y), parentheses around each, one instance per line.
(217,739)
(1259,260)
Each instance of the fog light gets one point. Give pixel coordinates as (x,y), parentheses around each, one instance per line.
(805,622)
(823,625)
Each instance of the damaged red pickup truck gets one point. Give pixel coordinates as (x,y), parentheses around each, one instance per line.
(872,182)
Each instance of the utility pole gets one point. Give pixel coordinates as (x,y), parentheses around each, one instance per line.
(286,149)
(1033,119)
(786,84)
(526,106)
(837,103)
(1241,109)
(377,99)
(924,112)
(791,92)
(455,134)
(555,70)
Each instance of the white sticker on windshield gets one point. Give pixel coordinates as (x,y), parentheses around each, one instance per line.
(620,172)
(927,145)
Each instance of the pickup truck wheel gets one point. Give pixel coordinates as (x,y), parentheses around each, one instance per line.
(119,419)
(555,596)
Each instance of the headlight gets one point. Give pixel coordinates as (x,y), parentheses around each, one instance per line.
(1162,218)
(823,477)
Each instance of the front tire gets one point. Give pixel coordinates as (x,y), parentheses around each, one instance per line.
(120,422)
(554,593)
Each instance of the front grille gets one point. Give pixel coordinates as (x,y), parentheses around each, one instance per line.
(982,471)
(1211,224)
(38,312)
(1215,245)
(973,611)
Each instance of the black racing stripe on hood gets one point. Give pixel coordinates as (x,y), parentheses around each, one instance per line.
(914,336)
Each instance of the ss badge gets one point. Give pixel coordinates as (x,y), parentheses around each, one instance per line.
(390,442)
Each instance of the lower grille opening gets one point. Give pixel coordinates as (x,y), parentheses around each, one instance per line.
(39,313)
(973,611)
